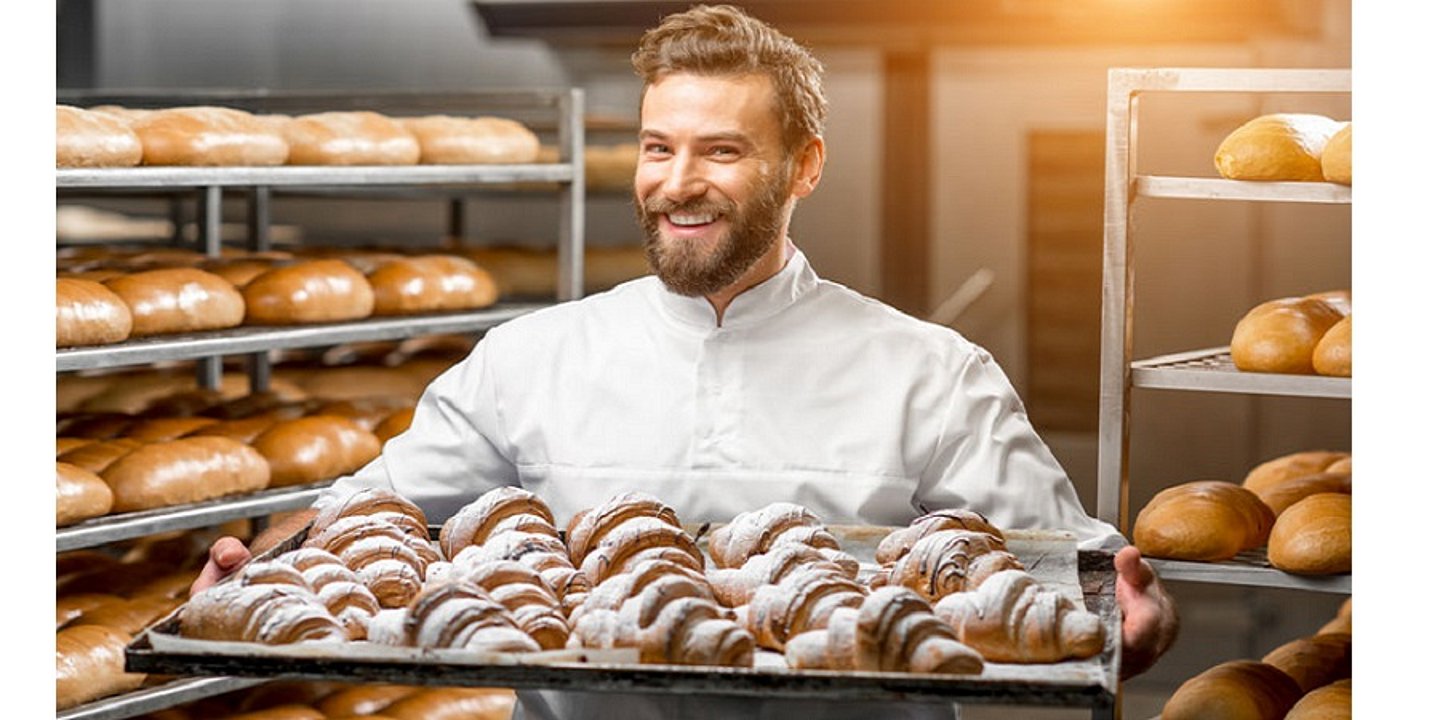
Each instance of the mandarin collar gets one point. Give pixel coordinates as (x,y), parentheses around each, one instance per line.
(757,304)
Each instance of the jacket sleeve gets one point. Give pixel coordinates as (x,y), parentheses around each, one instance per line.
(990,459)
(453,451)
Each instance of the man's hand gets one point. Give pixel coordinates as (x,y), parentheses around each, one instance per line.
(1148,623)
(227,555)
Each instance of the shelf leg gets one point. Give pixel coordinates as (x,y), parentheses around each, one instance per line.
(258,219)
(570,282)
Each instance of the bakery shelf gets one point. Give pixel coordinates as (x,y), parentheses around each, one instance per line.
(159,697)
(1211,370)
(125,526)
(242,340)
(1248,568)
(308,176)
(1191,188)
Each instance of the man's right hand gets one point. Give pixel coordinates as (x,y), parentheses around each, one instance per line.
(227,555)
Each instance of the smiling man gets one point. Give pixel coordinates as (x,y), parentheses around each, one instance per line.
(735,377)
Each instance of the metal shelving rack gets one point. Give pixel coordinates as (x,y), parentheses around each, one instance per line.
(1207,370)
(565,110)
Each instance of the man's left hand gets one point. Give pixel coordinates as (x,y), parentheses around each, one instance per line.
(1148,623)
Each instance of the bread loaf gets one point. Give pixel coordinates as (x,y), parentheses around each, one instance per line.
(210,136)
(1280,336)
(1287,467)
(89,139)
(89,313)
(1202,520)
(97,456)
(449,140)
(394,424)
(359,137)
(129,616)
(362,699)
(167,428)
(1332,352)
(183,471)
(79,495)
(359,381)
(1312,537)
(431,283)
(90,664)
(1235,690)
(1280,146)
(1313,661)
(1341,622)
(314,448)
(1338,299)
(1335,158)
(455,703)
(1281,496)
(308,292)
(178,300)
(1331,702)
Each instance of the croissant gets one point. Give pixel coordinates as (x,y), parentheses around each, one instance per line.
(477,521)
(670,621)
(950,561)
(586,529)
(459,614)
(1011,618)
(899,542)
(380,503)
(804,600)
(379,554)
(543,553)
(617,589)
(893,630)
(525,594)
(639,538)
(753,533)
(264,613)
(338,587)
(735,586)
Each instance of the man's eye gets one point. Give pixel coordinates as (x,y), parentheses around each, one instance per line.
(724,152)
(656,149)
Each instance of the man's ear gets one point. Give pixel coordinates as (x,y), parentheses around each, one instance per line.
(809,165)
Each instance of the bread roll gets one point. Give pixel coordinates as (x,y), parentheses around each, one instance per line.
(1203,520)
(1341,622)
(1313,661)
(360,381)
(209,136)
(90,664)
(88,313)
(187,470)
(178,300)
(89,139)
(1335,158)
(1331,702)
(449,140)
(97,456)
(1287,467)
(66,444)
(1280,336)
(453,704)
(315,448)
(1332,353)
(349,138)
(394,424)
(1281,496)
(1234,690)
(167,428)
(431,283)
(307,292)
(79,495)
(1312,537)
(1338,299)
(1281,146)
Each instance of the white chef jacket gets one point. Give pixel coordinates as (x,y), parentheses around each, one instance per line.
(808,392)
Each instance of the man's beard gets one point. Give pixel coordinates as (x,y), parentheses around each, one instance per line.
(685,267)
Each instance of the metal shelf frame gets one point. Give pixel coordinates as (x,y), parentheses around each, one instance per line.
(1206,370)
(1248,568)
(125,526)
(159,697)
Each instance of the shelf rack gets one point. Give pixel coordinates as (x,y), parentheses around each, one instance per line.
(1206,370)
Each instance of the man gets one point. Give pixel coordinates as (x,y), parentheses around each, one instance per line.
(735,377)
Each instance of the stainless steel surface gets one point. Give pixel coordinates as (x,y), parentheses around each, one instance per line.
(297,175)
(113,528)
(303,101)
(1158,186)
(1211,370)
(571,251)
(1249,568)
(259,339)
(155,698)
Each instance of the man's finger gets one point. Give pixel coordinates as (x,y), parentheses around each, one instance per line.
(229,553)
(1132,568)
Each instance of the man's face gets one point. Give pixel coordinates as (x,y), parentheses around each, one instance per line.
(712,187)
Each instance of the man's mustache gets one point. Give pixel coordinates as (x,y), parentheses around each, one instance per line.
(656,205)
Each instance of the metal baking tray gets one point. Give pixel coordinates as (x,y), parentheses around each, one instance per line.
(1052,557)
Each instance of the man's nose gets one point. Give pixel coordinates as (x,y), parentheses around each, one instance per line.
(684,179)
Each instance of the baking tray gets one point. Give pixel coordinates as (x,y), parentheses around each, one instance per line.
(1050,556)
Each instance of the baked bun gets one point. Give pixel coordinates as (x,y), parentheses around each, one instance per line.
(1279,470)
(1332,353)
(1282,146)
(178,300)
(450,140)
(431,283)
(359,137)
(1330,702)
(1313,661)
(394,424)
(1234,690)
(79,495)
(90,139)
(1335,159)
(183,471)
(1312,537)
(88,313)
(323,290)
(1204,520)
(1280,496)
(208,136)
(1339,299)
(315,448)
(1280,336)
(90,664)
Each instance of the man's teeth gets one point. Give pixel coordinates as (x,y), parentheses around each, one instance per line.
(692,219)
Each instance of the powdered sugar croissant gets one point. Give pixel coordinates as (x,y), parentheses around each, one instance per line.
(337,586)
(899,542)
(459,614)
(776,524)
(948,561)
(588,527)
(804,600)
(542,553)
(380,503)
(670,621)
(893,630)
(1012,618)
(525,594)
(735,586)
(274,614)
(504,508)
(382,556)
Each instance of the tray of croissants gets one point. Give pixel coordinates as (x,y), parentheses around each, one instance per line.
(629,597)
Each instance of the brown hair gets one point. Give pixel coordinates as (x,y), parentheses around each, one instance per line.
(724,40)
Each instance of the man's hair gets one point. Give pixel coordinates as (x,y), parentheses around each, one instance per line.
(724,40)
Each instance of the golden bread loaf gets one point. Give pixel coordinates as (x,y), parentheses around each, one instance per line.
(1281,496)
(1312,537)
(322,290)
(450,140)
(181,471)
(90,139)
(88,313)
(1287,467)
(1280,146)
(431,283)
(1332,353)
(178,300)
(90,664)
(314,448)
(208,136)
(1335,158)
(453,704)
(1234,690)
(1279,336)
(1202,520)
(79,495)
(1339,299)
(360,137)
(1331,702)
(394,424)
(1313,661)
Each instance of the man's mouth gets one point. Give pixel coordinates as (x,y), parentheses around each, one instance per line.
(691,219)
